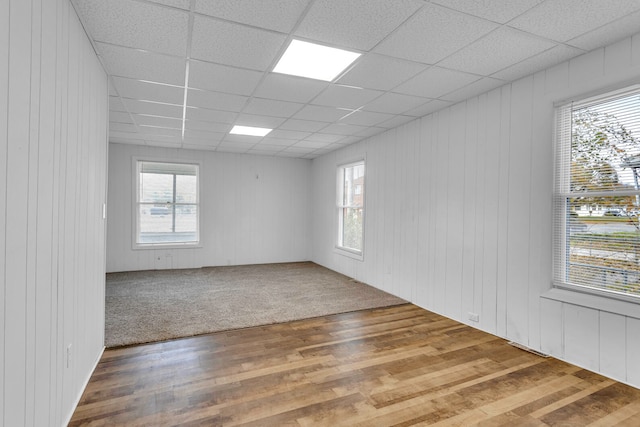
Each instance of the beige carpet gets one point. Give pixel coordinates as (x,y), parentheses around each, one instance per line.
(146,306)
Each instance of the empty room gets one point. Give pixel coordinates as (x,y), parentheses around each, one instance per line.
(320,212)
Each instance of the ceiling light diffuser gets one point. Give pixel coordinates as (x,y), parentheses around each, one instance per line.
(249,130)
(314,61)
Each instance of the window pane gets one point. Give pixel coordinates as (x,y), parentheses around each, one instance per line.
(156,188)
(604,243)
(353,185)
(186,219)
(186,189)
(352,228)
(158,224)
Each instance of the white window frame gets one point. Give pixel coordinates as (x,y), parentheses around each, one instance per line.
(136,162)
(340,207)
(564,291)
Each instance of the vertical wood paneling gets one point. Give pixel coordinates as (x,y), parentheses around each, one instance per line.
(480,202)
(454,213)
(613,343)
(581,336)
(504,155)
(540,209)
(17,206)
(519,211)
(470,211)
(243,220)
(483,213)
(633,351)
(488,316)
(48,71)
(551,331)
(4,116)
(440,203)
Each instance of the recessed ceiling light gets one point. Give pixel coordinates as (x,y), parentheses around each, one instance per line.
(314,61)
(250,130)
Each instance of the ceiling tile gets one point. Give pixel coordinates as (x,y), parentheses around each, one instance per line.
(277,141)
(234,147)
(215,77)
(115,104)
(322,114)
(609,34)
(474,89)
(497,50)
(500,11)
(138,64)
(346,96)
(343,129)
(433,34)
(288,88)
(215,100)
(116,116)
(435,82)
(153,108)
(298,149)
(288,134)
(191,134)
(241,140)
(270,107)
(428,108)
(182,4)
(541,61)
(311,144)
(233,44)
(277,15)
(152,130)
(259,121)
(380,72)
(163,122)
(303,125)
(365,118)
(370,131)
(395,103)
(355,24)
(563,20)
(136,89)
(206,115)
(222,128)
(325,137)
(136,25)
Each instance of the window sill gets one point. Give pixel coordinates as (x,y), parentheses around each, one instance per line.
(596,302)
(167,246)
(351,254)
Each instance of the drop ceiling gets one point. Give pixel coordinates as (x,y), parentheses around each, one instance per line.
(184,72)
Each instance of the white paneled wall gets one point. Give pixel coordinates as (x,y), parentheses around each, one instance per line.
(53,154)
(458,215)
(254,210)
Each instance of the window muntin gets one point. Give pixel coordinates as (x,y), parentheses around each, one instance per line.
(597,195)
(166,204)
(350,205)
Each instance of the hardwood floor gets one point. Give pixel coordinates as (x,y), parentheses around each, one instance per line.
(395,366)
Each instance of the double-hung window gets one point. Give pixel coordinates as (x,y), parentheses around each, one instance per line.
(350,208)
(597,195)
(167,205)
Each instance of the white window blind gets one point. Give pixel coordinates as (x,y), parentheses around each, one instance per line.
(597,196)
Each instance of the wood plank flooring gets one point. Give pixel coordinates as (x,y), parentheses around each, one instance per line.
(396,366)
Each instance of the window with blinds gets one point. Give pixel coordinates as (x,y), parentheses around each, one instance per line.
(350,204)
(166,204)
(597,195)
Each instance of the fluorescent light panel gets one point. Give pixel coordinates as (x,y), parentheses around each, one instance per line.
(314,61)
(249,130)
